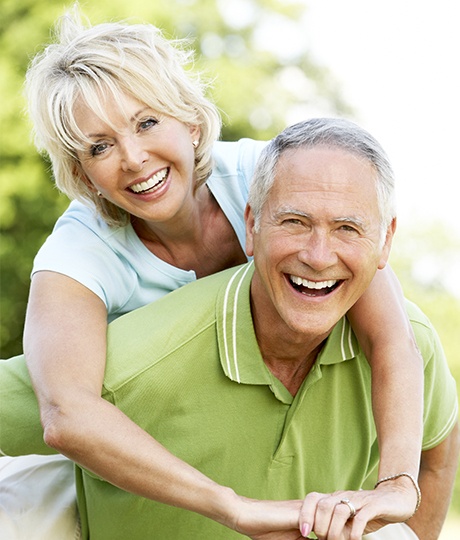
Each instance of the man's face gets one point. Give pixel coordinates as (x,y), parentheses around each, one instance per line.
(319,241)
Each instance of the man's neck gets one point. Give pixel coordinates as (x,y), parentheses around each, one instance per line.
(287,355)
(289,351)
(291,371)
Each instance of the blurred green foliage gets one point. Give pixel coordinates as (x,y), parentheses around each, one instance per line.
(258,89)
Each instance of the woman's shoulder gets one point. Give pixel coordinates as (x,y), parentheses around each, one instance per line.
(82,216)
(236,156)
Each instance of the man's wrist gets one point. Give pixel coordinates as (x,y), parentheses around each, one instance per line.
(224,506)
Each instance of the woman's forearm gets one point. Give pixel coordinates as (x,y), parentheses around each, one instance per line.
(65,348)
(383,329)
(65,345)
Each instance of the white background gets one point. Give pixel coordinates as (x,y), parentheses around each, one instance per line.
(399,65)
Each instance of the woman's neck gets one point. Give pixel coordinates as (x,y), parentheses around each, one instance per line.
(201,239)
(184,228)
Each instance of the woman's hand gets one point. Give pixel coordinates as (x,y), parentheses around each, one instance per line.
(331,519)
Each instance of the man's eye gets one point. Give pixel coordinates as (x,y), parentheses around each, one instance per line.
(293,221)
(348,228)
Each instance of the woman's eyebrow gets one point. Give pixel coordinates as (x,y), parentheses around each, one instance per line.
(136,115)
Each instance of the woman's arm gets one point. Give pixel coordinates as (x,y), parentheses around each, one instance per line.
(384,332)
(65,346)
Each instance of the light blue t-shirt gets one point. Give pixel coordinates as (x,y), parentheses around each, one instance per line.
(113,262)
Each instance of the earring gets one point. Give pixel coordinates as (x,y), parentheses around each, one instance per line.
(99,194)
(195,144)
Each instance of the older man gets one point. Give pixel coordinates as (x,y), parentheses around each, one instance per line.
(253,376)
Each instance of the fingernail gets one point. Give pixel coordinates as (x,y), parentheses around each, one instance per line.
(306,530)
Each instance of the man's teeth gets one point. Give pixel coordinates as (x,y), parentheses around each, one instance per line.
(150,183)
(313,284)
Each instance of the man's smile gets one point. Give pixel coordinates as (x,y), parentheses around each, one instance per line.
(313,288)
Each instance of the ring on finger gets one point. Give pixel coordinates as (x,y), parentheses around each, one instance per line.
(350,506)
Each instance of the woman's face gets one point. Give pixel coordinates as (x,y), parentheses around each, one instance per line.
(145,164)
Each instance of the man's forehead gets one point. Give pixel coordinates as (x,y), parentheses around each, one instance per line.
(333,181)
(324,167)
(321,150)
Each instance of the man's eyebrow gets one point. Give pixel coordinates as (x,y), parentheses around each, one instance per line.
(288,210)
(353,220)
(291,211)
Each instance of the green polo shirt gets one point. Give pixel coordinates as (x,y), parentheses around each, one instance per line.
(188,370)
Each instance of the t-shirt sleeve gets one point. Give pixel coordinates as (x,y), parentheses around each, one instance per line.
(21,432)
(83,248)
(440,393)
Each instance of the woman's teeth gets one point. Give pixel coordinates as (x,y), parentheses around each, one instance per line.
(152,182)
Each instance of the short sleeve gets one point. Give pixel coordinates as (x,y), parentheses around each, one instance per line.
(440,393)
(83,248)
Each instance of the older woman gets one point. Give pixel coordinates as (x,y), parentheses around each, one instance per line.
(157,203)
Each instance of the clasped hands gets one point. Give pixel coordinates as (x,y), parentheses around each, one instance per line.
(342,515)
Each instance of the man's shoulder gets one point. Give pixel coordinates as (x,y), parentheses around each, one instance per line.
(426,335)
(170,321)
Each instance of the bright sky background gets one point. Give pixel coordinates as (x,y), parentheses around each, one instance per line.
(399,64)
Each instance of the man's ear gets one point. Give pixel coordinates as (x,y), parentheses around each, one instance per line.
(249,219)
(385,255)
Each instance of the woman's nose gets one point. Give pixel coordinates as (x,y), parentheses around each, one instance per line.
(133,156)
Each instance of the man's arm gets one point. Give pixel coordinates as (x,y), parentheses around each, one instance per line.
(20,430)
(437,475)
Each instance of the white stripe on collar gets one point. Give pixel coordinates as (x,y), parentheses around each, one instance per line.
(234,321)
(346,337)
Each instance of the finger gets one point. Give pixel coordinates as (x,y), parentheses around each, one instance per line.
(340,527)
(358,526)
(308,512)
(325,509)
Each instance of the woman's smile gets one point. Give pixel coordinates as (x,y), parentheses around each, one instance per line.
(151,184)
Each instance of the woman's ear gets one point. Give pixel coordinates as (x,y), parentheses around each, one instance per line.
(78,173)
(195,133)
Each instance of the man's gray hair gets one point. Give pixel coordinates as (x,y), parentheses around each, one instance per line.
(332,133)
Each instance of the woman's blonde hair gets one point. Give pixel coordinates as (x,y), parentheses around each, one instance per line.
(105,61)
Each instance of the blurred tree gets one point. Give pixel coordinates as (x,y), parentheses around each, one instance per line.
(257,83)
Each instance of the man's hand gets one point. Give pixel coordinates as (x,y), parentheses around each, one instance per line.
(268,520)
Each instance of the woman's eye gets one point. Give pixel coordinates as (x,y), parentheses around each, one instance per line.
(147,124)
(97,149)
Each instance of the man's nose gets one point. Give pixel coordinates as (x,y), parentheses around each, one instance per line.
(318,251)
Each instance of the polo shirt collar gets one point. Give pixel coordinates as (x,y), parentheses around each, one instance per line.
(238,348)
